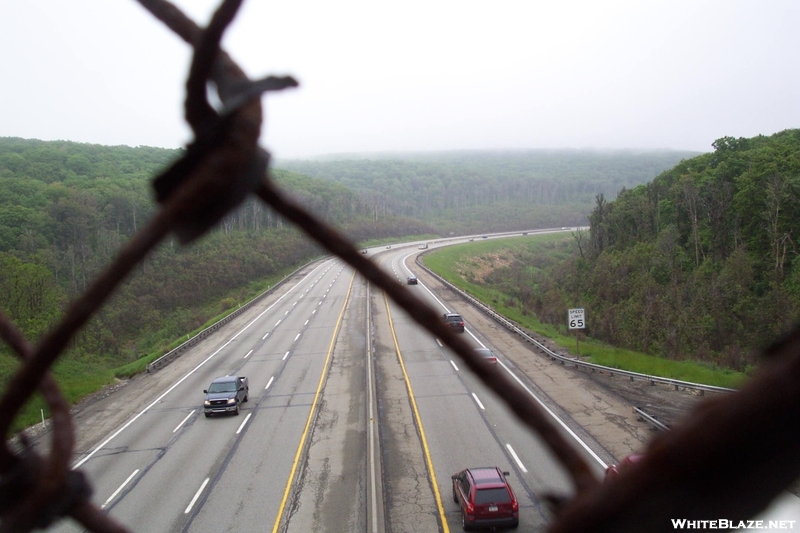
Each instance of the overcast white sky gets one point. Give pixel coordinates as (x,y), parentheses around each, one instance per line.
(417,74)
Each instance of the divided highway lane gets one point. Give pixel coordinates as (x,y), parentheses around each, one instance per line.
(465,425)
(171,469)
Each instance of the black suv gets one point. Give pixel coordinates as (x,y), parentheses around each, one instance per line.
(225,394)
(454,321)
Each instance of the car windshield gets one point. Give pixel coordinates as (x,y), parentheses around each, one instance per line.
(228,386)
(492,496)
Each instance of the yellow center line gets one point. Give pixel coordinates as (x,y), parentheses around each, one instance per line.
(418,421)
(303,438)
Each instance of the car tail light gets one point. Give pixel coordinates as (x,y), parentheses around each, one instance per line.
(515,505)
(470,508)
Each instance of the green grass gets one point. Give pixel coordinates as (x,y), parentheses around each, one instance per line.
(75,379)
(454,263)
(78,379)
(252,290)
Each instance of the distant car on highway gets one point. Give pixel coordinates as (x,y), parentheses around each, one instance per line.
(423,246)
(485,498)
(412,280)
(453,321)
(225,394)
(486,354)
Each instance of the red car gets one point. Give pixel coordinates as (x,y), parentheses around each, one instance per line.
(486,498)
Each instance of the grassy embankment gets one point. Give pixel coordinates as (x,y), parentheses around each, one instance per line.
(77,378)
(454,263)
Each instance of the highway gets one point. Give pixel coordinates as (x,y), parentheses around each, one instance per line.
(171,469)
(355,421)
(465,425)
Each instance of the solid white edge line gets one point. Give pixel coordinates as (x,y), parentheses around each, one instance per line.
(119,489)
(269,382)
(552,414)
(478,401)
(454,364)
(183,421)
(241,427)
(514,455)
(196,495)
(195,369)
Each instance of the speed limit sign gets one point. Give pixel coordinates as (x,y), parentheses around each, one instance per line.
(576,319)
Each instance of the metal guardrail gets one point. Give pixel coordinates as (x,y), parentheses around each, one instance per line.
(168,357)
(650,419)
(514,328)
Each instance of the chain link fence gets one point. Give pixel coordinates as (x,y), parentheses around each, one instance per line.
(729,459)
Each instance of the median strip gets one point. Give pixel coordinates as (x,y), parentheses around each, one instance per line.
(418,421)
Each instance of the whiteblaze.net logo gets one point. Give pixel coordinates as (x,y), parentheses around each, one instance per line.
(722,523)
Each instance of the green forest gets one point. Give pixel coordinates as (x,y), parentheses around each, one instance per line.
(466,192)
(66,209)
(701,263)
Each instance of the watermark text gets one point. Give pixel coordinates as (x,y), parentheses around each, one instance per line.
(723,523)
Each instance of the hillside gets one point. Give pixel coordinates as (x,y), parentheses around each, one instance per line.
(483,191)
(700,263)
(66,208)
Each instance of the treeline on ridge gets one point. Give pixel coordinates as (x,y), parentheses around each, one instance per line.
(67,208)
(477,191)
(701,263)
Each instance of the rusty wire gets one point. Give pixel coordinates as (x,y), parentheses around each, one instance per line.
(731,457)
